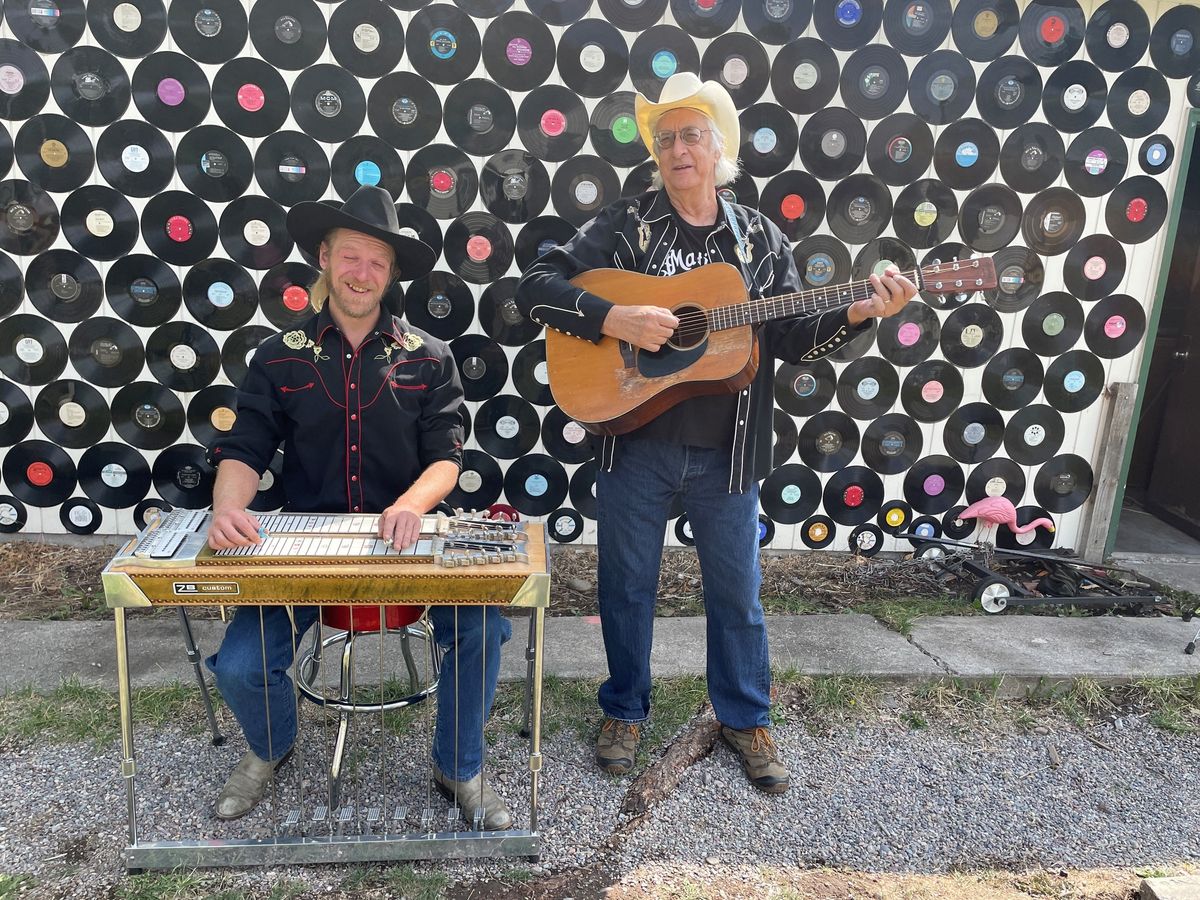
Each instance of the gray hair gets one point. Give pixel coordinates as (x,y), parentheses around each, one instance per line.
(727,169)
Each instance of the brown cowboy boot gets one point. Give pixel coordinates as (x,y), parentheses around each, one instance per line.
(616,746)
(471,795)
(247,785)
(760,756)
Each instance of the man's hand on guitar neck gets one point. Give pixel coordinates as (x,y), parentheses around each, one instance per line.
(646,327)
(892,291)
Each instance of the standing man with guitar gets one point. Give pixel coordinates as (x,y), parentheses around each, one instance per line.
(711,450)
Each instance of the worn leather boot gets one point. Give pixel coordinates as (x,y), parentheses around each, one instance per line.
(760,756)
(616,746)
(473,794)
(247,785)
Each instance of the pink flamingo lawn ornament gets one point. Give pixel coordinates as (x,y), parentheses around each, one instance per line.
(996,511)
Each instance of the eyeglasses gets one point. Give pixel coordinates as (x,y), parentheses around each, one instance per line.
(665,140)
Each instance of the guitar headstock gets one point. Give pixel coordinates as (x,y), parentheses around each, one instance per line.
(957,276)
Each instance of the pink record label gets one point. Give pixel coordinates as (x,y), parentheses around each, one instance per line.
(932,391)
(12,79)
(908,334)
(479,248)
(171,92)
(518,51)
(179,229)
(934,485)
(441,181)
(1114,326)
(853,496)
(1137,209)
(251,98)
(553,123)
(1095,268)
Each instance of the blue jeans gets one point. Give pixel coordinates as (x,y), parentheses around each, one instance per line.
(266,709)
(632,504)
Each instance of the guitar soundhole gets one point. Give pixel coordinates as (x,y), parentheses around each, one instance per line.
(693,327)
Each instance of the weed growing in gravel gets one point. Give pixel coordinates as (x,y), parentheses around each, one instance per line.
(12,886)
(170,886)
(395,881)
(900,615)
(287,890)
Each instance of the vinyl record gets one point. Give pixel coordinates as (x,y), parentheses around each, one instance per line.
(1032,158)
(518,51)
(220,294)
(706,18)
(849,24)
(208,31)
(583,489)
(795,201)
(507,427)
(853,495)
(479,247)
(182,356)
(658,53)
(1074,381)
(440,303)
(71,413)
(48,26)
(39,473)
(868,388)
(934,484)
(1051,31)
(910,336)
(135,158)
(857,345)
(786,437)
(29,223)
(565,438)
(131,28)
(80,516)
(900,149)
(1115,326)
(254,232)
(631,15)
(1009,92)
(984,29)
(738,63)
(866,540)
(950,526)
(942,87)
(1118,35)
(179,228)
(1020,276)
(183,476)
(593,57)
(291,167)
(149,511)
(16,414)
(1034,434)
(64,286)
(973,432)
(804,76)
(966,154)
(54,153)
(417,222)
(776,22)
(790,494)
(1064,483)
(6,152)
(1156,154)
(114,475)
(1039,538)
(877,256)
(1074,96)
(1094,267)
(768,146)
(480,9)
(530,375)
(1013,378)
(480,117)
(288,34)
(214,163)
(540,236)
(12,286)
(892,444)
(565,525)
(443,44)
(239,347)
(583,186)
(971,335)
(535,484)
(479,482)
(932,390)
(1136,210)
(366,160)
(90,86)
(515,187)
(442,180)
(559,12)
(859,208)
(142,290)
(818,532)
(251,97)
(614,131)
(990,218)
(925,213)
(894,516)
(106,352)
(171,91)
(147,415)
(366,37)
(283,294)
(328,103)
(405,110)
(741,190)
(997,477)
(1096,162)
(482,366)
(99,222)
(1053,324)
(26,81)
(805,389)
(552,123)
(916,27)
(828,441)
(833,143)
(211,413)
(1138,102)
(1175,41)
(1053,221)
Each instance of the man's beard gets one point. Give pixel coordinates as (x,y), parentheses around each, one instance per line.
(356,306)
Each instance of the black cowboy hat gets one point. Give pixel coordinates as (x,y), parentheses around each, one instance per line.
(370,210)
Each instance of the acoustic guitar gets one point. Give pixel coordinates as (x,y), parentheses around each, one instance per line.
(614,387)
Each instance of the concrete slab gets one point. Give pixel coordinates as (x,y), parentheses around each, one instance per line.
(1182,887)
(1027,648)
(1179,572)
(846,644)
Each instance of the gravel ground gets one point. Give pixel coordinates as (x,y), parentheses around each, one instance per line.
(874,797)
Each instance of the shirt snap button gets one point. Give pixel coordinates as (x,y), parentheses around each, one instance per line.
(353,417)
(354,478)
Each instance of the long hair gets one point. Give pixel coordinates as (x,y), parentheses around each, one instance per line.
(727,169)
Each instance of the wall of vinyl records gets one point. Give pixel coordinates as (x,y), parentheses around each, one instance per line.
(148,156)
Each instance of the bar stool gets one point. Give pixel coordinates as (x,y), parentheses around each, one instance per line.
(409,623)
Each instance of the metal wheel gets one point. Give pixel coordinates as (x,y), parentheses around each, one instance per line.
(993,594)
(932,552)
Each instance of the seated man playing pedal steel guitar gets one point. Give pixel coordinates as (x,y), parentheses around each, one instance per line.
(367,411)
(710,450)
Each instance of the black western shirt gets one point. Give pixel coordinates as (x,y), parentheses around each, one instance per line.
(357,426)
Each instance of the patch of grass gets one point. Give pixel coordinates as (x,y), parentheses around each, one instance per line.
(673,702)
(286,890)
(15,886)
(167,886)
(689,890)
(900,615)
(568,705)
(789,605)
(407,882)
(827,699)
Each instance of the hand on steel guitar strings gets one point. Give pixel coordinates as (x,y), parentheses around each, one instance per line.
(400,526)
(233,528)
(892,291)
(646,327)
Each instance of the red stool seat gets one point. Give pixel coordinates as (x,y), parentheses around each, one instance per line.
(366,618)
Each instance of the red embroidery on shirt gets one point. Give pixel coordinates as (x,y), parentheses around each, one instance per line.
(292,390)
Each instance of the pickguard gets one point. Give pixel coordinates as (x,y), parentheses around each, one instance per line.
(667,360)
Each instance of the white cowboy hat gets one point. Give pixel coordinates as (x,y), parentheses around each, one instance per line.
(685,90)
